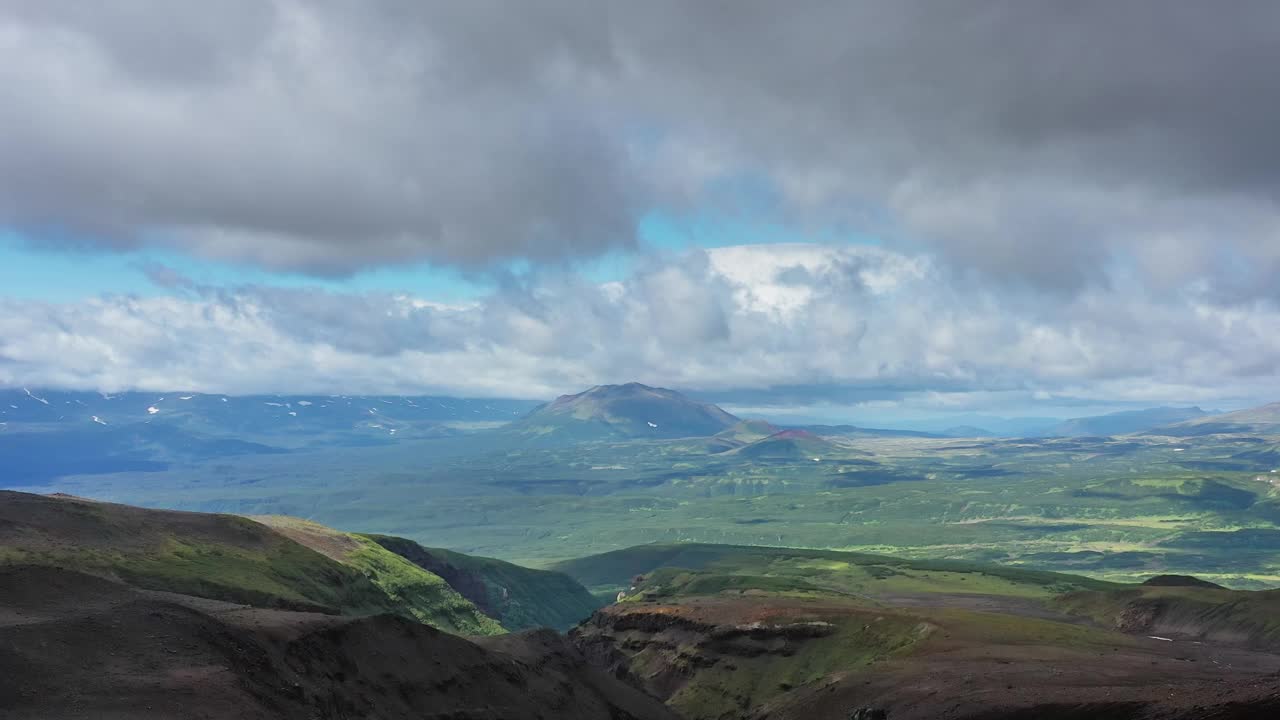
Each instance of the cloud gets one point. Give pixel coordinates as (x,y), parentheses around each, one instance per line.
(312,136)
(788,324)
(1051,147)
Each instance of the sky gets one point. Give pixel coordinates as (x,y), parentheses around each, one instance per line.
(840,210)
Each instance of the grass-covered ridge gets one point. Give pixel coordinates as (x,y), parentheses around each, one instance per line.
(225,557)
(218,556)
(717,630)
(830,570)
(515,596)
(420,594)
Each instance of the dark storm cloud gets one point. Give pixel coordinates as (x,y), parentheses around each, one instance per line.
(316,136)
(1032,140)
(1057,145)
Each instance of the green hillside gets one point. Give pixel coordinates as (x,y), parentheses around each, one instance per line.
(715,629)
(223,557)
(773,568)
(217,556)
(1187,610)
(515,596)
(422,595)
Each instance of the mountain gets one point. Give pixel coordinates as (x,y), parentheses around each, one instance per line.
(37,456)
(1263,420)
(1123,423)
(621,412)
(46,435)
(283,420)
(789,445)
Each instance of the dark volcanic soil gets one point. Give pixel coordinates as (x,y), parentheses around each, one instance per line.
(76,646)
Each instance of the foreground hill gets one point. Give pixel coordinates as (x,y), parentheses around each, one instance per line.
(109,611)
(424,595)
(747,632)
(518,597)
(77,646)
(226,557)
(285,562)
(622,412)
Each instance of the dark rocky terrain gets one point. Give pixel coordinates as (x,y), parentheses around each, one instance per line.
(109,611)
(77,646)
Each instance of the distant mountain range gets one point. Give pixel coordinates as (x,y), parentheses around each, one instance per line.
(1124,423)
(45,435)
(372,416)
(49,434)
(1117,423)
(1262,420)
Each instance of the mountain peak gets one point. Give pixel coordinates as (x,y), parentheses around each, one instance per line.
(792,444)
(625,389)
(630,410)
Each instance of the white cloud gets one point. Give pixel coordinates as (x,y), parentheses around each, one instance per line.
(806,320)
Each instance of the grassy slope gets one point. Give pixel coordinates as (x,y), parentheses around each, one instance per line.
(218,556)
(420,594)
(752,611)
(844,572)
(224,557)
(1239,617)
(763,590)
(516,596)
(860,640)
